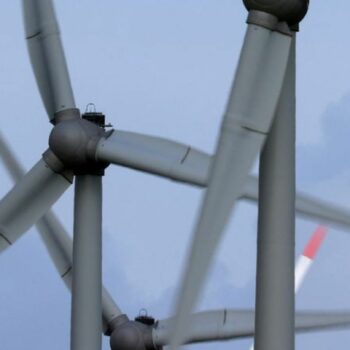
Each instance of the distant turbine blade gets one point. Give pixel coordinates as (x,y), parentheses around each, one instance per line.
(219,325)
(47,56)
(306,206)
(326,213)
(59,246)
(246,123)
(306,259)
(11,163)
(155,155)
(57,241)
(28,201)
(311,321)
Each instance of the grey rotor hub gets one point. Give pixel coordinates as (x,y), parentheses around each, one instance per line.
(73,141)
(290,11)
(131,335)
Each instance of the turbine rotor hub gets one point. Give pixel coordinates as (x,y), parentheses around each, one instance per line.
(73,140)
(290,11)
(131,335)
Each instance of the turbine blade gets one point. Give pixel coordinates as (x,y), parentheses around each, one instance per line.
(155,155)
(57,240)
(307,257)
(28,201)
(306,206)
(315,242)
(59,246)
(183,163)
(47,56)
(247,121)
(326,213)
(232,324)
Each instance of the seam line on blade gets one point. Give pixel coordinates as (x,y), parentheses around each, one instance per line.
(6,239)
(42,35)
(33,35)
(225,316)
(233,123)
(66,272)
(185,155)
(254,130)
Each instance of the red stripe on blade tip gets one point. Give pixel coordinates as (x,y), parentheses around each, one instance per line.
(315,242)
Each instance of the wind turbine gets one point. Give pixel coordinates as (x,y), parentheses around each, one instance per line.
(82,148)
(261,107)
(145,332)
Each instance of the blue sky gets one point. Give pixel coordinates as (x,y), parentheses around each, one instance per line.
(165,68)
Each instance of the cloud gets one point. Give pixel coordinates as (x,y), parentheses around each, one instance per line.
(328,158)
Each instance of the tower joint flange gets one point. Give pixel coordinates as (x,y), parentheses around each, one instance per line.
(262,19)
(268,21)
(65,114)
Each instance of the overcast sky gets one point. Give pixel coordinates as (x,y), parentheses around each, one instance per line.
(165,68)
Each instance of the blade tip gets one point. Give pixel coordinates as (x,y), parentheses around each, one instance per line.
(315,242)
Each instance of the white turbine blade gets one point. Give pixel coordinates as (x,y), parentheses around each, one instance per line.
(28,201)
(232,324)
(57,241)
(306,206)
(155,155)
(247,121)
(307,257)
(47,56)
